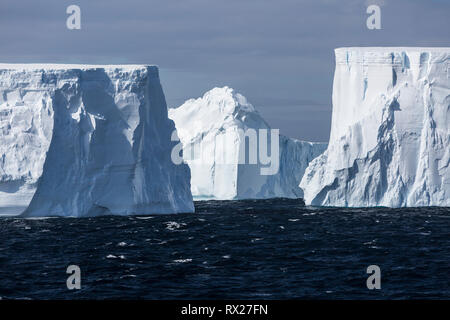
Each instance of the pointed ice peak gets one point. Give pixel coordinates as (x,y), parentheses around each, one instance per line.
(224,100)
(229,95)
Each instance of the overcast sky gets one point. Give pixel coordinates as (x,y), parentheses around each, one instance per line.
(279,54)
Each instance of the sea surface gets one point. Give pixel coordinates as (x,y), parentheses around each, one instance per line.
(269,249)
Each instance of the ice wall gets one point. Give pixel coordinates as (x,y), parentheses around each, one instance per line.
(390,135)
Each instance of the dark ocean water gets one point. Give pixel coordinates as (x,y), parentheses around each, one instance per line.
(275,249)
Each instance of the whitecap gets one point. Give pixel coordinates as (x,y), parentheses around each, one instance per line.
(172,225)
(182,260)
(111,256)
(261,294)
(309,214)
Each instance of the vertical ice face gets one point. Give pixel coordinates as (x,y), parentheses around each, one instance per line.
(83,140)
(26,124)
(390,135)
(211,130)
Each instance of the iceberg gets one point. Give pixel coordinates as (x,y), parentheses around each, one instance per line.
(86,140)
(234,154)
(390,134)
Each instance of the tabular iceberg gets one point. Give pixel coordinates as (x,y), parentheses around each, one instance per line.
(390,135)
(220,132)
(83,140)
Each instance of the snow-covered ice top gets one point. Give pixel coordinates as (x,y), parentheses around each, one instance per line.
(210,129)
(390,134)
(83,140)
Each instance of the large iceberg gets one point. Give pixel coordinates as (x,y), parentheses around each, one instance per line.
(234,154)
(83,140)
(390,135)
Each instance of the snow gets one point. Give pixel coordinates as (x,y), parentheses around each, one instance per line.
(210,129)
(390,134)
(81,140)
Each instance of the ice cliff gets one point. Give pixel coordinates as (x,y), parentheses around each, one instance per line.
(390,135)
(233,153)
(80,140)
